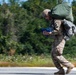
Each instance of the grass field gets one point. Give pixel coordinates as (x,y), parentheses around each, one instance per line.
(29,60)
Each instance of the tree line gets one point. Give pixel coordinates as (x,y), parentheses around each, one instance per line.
(20,27)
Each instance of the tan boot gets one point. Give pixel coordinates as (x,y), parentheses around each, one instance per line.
(69,69)
(60,72)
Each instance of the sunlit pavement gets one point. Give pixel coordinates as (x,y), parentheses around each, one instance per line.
(32,71)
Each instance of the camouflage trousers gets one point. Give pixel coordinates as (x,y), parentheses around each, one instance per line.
(56,53)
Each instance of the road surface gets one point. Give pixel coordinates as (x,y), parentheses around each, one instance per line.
(31,71)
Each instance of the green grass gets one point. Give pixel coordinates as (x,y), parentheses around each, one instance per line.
(28,60)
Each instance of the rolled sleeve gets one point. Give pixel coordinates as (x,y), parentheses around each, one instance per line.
(57,25)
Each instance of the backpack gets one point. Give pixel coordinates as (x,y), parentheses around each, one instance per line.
(69,29)
(62,11)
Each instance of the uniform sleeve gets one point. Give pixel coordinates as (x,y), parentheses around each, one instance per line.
(57,26)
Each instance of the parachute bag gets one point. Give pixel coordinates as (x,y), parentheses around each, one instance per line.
(69,29)
(62,11)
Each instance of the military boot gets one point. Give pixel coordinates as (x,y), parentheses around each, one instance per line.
(60,72)
(69,69)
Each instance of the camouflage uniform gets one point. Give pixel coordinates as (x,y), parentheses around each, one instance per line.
(58,46)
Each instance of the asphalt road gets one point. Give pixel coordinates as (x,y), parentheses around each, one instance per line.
(31,71)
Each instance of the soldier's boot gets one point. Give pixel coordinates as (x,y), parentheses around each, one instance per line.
(69,69)
(60,72)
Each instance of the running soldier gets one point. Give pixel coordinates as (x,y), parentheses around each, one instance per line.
(58,44)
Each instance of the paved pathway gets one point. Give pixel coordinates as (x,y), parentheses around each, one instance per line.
(31,71)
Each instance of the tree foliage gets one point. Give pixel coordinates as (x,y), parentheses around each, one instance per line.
(20,27)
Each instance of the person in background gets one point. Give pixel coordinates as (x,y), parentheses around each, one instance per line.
(58,44)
